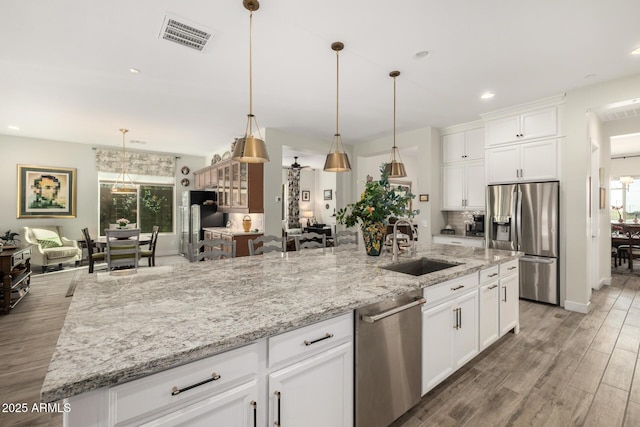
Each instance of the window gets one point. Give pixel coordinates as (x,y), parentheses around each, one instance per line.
(152,204)
(625,198)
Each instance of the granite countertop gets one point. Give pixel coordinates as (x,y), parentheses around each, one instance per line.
(119,328)
(464,236)
(232,231)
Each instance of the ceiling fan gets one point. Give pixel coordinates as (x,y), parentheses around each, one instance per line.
(297,166)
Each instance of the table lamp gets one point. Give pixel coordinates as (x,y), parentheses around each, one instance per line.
(307,214)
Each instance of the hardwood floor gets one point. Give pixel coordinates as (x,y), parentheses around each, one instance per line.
(563,369)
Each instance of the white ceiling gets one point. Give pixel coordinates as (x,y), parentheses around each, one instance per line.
(64,65)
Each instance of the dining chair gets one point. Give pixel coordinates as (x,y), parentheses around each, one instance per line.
(150,253)
(268,243)
(212,249)
(310,240)
(346,237)
(123,248)
(91,255)
(631,250)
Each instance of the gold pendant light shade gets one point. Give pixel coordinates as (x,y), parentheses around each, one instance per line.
(337,161)
(124,184)
(251,149)
(395,167)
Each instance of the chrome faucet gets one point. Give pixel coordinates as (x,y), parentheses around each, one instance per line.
(412,230)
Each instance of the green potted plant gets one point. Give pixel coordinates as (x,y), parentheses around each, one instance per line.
(379,202)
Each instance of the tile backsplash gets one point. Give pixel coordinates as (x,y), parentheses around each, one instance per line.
(456,219)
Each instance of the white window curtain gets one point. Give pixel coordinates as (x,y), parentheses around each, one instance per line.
(136,163)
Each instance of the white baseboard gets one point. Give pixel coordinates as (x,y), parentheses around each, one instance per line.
(606,281)
(577,307)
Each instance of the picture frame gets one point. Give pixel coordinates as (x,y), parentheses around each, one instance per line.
(399,186)
(306,195)
(328,194)
(424,197)
(46,192)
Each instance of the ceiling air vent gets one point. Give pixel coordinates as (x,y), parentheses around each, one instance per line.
(178,31)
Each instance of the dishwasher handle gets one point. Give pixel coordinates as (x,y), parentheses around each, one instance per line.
(380,316)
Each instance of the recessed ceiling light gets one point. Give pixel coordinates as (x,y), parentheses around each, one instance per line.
(422,54)
(590,76)
(134,71)
(636,51)
(12,127)
(487,95)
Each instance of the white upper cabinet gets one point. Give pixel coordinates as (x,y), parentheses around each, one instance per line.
(463,186)
(532,161)
(540,123)
(462,145)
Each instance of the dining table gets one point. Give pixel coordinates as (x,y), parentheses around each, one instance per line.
(101,242)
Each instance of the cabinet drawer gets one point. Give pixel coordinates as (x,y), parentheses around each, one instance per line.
(311,339)
(155,393)
(450,289)
(20,257)
(509,268)
(489,274)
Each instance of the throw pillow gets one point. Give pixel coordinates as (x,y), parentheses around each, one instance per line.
(53,242)
(47,238)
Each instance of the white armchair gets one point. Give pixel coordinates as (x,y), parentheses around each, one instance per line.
(49,246)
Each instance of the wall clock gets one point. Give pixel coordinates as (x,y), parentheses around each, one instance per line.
(185,170)
(184,182)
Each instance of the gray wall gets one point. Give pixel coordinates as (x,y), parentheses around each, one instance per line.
(41,152)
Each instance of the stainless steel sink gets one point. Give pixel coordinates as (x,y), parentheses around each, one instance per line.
(419,266)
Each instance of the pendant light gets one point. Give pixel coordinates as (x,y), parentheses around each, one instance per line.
(337,161)
(124,184)
(251,149)
(395,168)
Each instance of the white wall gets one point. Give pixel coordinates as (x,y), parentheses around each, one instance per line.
(41,152)
(422,147)
(576,150)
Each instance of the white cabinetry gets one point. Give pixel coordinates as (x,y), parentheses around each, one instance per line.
(459,240)
(540,123)
(532,161)
(449,328)
(310,368)
(317,391)
(509,297)
(489,295)
(311,383)
(463,145)
(463,186)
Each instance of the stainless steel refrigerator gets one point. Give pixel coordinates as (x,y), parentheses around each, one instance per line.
(198,210)
(524,217)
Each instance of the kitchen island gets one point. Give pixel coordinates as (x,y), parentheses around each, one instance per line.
(120,328)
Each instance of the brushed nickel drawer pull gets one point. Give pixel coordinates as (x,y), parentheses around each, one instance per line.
(326,336)
(254,405)
(176,391)
(457,287)
(277,422)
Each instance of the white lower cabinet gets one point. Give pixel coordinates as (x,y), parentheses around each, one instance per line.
(509,297)
(317,391)
(311,368)
(489,297)
(235,407)
(449,328)
(459,240)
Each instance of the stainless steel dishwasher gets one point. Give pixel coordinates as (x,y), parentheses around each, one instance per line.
(388,359)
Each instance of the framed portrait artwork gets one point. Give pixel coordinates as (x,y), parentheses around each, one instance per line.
(328,194)
(306,195)
(46,192)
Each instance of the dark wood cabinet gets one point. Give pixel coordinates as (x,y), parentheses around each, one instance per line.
(15,271)
(240,186)
(242,240)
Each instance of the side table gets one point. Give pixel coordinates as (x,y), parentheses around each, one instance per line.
(15,272)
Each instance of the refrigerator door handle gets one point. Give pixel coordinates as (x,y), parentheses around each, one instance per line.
(540,260)
(518,216)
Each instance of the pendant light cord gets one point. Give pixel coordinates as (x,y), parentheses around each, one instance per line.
(250,70)
(337,91)
(394,114)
